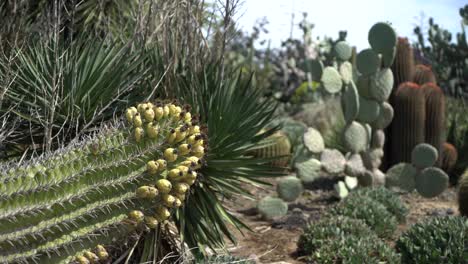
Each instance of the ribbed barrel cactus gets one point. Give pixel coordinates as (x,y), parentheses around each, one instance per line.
(70,205)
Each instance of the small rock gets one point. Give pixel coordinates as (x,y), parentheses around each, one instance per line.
(450,211)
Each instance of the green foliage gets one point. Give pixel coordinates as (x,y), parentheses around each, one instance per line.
(356,249)
(225,259)
(463,194)
(373,213)
(458,135)
(319,233)
(388,198)
(436,240)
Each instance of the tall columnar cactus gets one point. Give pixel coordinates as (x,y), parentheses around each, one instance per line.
(70,205)
(463,194)
(403,66)
(423,74)
(434,129)
(408,122)
(449,157)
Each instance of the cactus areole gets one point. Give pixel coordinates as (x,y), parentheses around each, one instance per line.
(70,205)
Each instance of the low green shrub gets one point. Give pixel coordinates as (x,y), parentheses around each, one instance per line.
(373,213)
(330,228)
(226,259)
(437,240)
(387,198)
(355,249)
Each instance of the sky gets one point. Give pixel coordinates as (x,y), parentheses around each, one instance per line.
(354,16)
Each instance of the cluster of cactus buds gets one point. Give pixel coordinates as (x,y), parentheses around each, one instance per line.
(175,171)
(96,256)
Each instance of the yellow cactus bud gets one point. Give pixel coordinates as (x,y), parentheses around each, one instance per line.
(139,133)
(188,117)
(136,216)
(181,188)
(93,258)
(152,131)
(149,115)
(152,193)
(189,164)
(162,164)
(142,192)
(166,110)
(168,200)
(184,149)
(177,110)
(101,252)
(82,260)
(192,175)
(180,135)
(198,143)
(194,130)
(183,169)
(170,154)
(158,113)
(142,107)
(129,115)
(150,105)
(172,109)
(180,196)
(174,173)
(137,122)
(198,151)
(190,181)
(164,186)
(152,167)
(171,136)
(151,222)
(162,213)
(177,203)
(193,139)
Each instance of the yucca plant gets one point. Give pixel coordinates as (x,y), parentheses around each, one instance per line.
(59,90)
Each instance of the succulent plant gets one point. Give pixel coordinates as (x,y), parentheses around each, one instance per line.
(434,129)
(355,137)
(431,182)
(280,149)
(69,205)
(350,102)
(423,74)
(313,140)
(378,139)
(463,194)
(424,155)
(331,80)
(407,128)
(333,161)
(272,207)
(289,188)
(381,84)
(401,176)
(355,166)
(367,62)
(308,170)
(449,157)
(343,50)
(403,67)
(369,110)
(385,117)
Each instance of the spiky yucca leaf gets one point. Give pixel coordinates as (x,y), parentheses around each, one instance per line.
(234,113)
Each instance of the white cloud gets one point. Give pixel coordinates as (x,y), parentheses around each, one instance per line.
(357,16)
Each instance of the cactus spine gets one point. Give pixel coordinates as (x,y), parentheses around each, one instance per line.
(408,122)
(66,206)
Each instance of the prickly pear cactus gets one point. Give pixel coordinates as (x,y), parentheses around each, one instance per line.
(70,205)
(272,207)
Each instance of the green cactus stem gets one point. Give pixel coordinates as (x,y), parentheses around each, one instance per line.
(449,157)
(409,121)
(279,149)
(67,205)
(434,129)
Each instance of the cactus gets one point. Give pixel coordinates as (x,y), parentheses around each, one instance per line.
(313,140)
(431,182)
(449,157)
(346,72)
(367,62)
(331,80)
(381,85)
(355,166)
(434,129)
(341,190)
(271,207)
(289,188)
(403,66)
(409,119)
(385,117)
(308,170)
(463,194)
(369,110)
(343,50)
(333,161)
(378,139)
(350,102)
(355,137)
(67,205)
(423,156)
(423,74)
(401,176)
(281,148)
(382,38)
